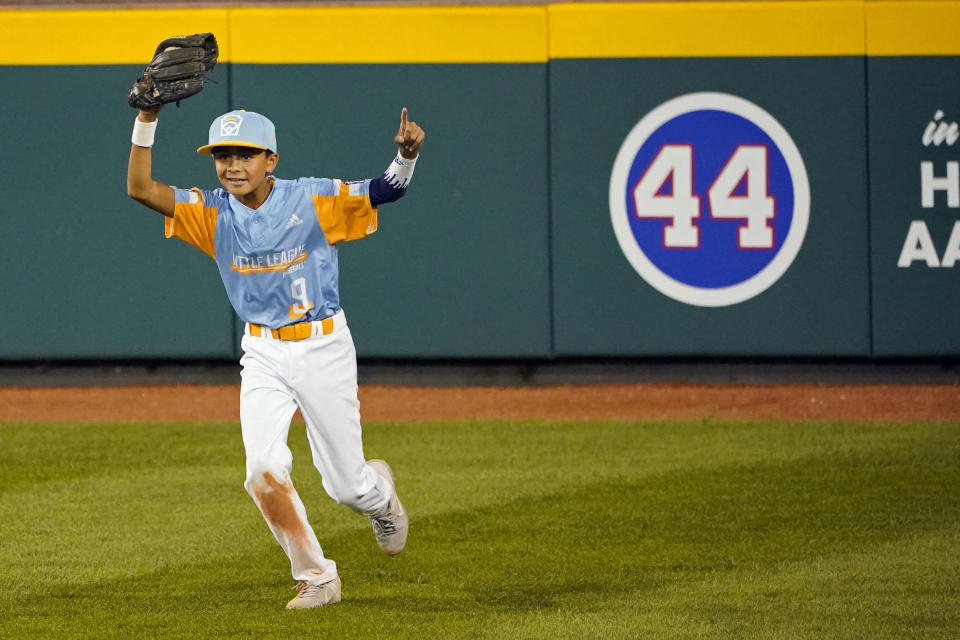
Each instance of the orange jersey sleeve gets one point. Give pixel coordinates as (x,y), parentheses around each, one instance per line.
(193,222)
(346,214)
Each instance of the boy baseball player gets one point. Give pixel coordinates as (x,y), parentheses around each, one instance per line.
(274,242)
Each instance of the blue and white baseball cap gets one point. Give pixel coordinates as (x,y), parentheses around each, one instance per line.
(241,129)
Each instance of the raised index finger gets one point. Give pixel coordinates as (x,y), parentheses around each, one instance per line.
(403,120)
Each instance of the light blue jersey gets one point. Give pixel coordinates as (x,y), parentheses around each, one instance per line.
(279,262)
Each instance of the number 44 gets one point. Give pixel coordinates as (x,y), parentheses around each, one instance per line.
(681,206)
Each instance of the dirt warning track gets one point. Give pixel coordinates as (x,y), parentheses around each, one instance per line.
(646,401)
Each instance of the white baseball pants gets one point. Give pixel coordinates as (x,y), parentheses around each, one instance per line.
(318,375)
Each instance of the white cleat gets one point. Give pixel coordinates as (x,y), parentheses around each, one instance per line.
(316,595)
(392,524)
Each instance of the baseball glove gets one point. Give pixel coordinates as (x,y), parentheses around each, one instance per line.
(178,70)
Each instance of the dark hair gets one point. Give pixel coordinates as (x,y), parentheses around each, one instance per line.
(251,150)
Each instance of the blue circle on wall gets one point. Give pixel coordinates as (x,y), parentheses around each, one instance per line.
(709,199)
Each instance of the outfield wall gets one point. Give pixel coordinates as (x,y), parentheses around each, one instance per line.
(787,146)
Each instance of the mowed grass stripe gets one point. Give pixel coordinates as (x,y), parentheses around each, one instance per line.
(520,529)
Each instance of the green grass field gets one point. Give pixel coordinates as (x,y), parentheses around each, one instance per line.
(518,530)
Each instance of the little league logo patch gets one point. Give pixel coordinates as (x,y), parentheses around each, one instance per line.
(230,125)
(709,199)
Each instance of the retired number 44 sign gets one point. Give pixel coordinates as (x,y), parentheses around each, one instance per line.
(709,199)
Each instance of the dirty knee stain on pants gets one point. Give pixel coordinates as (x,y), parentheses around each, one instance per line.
(276,502)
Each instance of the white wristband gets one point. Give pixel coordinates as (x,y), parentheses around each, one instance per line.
(143,133)
(400,171)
